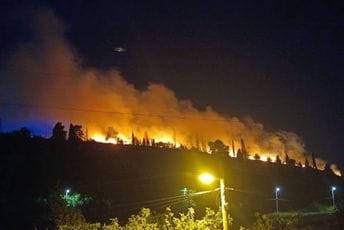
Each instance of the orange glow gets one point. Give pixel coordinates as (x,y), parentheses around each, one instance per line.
(104,102)
(124,138)
(102,139)
(169,141)
(165,139)
(262,158)
(251,157)
(98,137)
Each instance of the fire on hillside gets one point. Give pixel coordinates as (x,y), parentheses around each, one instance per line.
(170,141)
(50,84)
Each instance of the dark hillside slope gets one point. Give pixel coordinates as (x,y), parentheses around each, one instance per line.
(119,178)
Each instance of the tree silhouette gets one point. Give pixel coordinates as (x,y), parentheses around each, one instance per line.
(111,133)
(328,168)
(59,134)
(268,159)
(278,160)
(233,148)
(145,139)
(244,150)
(286,158)
(256,156)
(198,145)
(239,155)
(23,133)
(75,133)
(314,163)
(134,139)
(218,147)
(306,163)
(289,161)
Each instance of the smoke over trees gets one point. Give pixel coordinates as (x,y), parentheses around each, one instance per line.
(48,70)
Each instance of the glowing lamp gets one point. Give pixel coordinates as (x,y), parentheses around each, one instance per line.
(66,193)
(206,178)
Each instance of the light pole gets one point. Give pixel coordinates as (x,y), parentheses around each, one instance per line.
(66,193)
(333,189)
(276,197)
(207,178)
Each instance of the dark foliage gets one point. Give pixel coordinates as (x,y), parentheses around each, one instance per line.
(217,147)
(59,134)
(75,133)
(31,166)
(256,156)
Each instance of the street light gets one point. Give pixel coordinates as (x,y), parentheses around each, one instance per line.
(207,178)
(333,189)
(66,193)
(276,192)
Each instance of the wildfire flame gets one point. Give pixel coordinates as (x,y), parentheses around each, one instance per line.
(121,139)
(53,86)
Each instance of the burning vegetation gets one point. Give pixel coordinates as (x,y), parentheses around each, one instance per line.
(50,84)
(217,147)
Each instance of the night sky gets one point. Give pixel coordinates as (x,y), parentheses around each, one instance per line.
(279,63)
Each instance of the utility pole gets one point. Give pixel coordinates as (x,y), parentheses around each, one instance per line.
(207,178)
(223,204)
(333,189)
(276,198)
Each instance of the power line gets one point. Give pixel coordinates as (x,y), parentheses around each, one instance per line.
(15,70)
(165,199)
(138,205)
(9,69)
(147,202)
(158,206)
(114,112)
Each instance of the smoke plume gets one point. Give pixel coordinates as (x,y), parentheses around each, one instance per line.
(48,84)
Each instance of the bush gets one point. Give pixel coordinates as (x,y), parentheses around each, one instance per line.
(276,221)
(145,219)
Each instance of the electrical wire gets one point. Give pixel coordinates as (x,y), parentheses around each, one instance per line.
(40,74)
(99,111)
(161,205)
(114,112)
(165,199)
(147,202)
